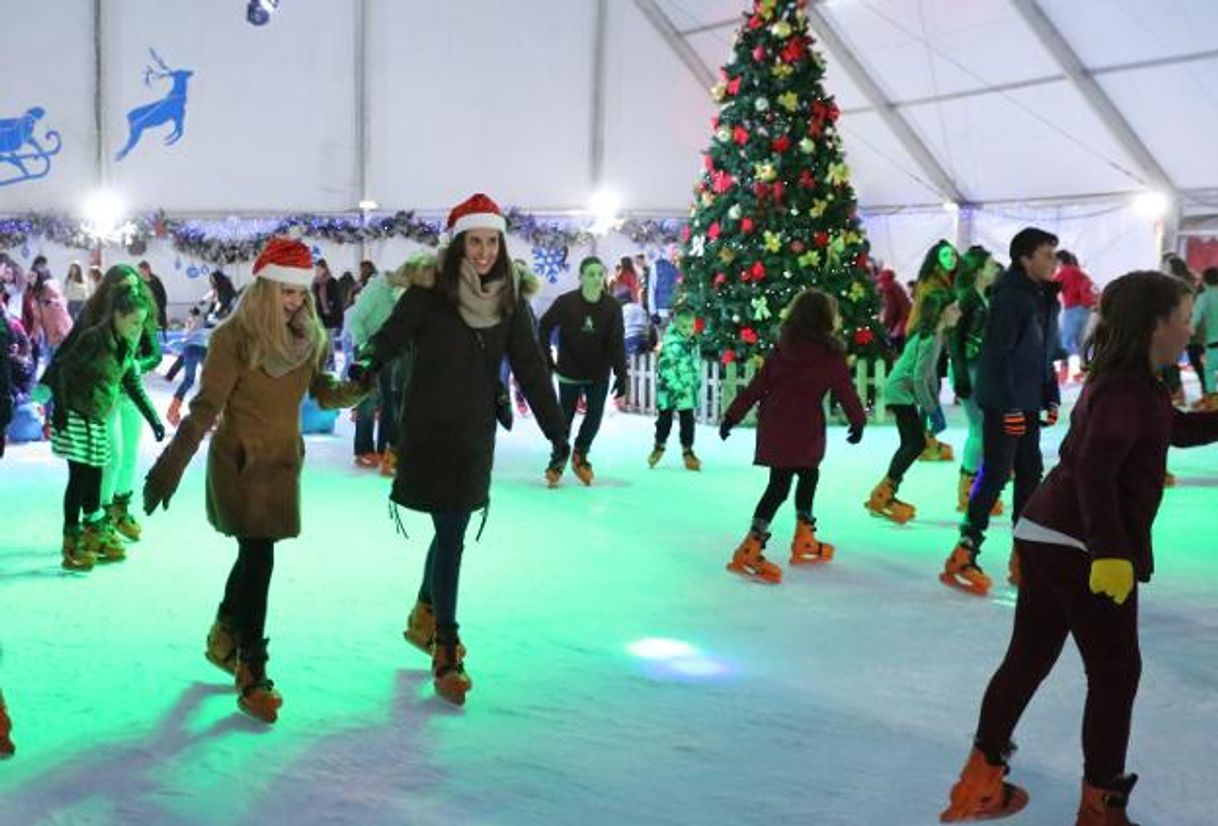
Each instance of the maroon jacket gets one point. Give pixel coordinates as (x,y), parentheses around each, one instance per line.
(895,304)
(1106,489)
(791,388)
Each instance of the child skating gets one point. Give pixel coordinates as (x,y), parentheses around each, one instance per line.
(91,371)
(1015,385)
(913,398)
(1084,541)
(260,362)
(678,380)
(808,363)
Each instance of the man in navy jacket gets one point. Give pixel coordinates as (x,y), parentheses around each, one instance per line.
(1016,384)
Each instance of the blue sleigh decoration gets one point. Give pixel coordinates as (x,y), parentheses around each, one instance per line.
(20,149)
(172,107)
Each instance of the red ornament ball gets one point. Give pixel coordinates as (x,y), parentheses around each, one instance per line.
(699,325)
(720,280)
(740,135)
(748,335)
(712,232)
(759,54)
(746,225)
(757,271)
(728,357)
(863,337)
(821,239)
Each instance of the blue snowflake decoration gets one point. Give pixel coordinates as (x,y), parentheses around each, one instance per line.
(550,262)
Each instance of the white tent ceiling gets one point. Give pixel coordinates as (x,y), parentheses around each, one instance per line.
(416,103)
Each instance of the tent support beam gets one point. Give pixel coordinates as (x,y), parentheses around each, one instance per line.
(1101,105)
(596,137)
(679,45)
(885,108)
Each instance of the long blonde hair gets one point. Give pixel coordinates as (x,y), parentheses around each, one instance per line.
(259,320)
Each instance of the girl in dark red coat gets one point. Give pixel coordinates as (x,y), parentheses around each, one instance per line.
(808,362)
(1084,541)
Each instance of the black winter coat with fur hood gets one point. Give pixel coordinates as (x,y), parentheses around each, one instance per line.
(446,444)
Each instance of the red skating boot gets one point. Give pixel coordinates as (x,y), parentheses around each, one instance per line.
(581,467)
(76,557)
(1106,806)
(448,668)
(102,540)
(655,456)
(884,502)
(221,650)
(806,548)
(749,562)
(119,513)
(692,462)
(257,696)
(962,572)
(7,749)
(982,794)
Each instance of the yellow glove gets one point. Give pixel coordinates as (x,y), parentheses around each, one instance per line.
(1112,578)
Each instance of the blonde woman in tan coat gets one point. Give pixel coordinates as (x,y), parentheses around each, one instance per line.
(259,365)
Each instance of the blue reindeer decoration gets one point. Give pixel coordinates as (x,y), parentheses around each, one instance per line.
(19,145)
(172,107)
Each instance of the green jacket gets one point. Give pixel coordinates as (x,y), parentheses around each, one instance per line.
(88,373)
(1205,316)
(678,372)
(915,377)
(965,339)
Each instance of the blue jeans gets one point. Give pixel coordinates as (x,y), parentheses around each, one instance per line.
(192,357)
(442,570)
(1073,323)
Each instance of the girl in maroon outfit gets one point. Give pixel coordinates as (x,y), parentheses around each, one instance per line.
(1084,541)
(808,362)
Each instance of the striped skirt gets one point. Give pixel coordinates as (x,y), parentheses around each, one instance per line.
(82,440)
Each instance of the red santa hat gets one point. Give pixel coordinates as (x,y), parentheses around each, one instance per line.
(476,212)
(287,261)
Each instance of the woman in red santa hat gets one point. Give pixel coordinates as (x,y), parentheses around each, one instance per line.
(260,362)
(462,314)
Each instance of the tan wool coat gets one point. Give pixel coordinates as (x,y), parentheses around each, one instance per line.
(256,452)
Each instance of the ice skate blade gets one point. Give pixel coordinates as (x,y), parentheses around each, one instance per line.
(744,573)
(1016,798)
(819,559)
(268,713)
(952,581)
(899,518)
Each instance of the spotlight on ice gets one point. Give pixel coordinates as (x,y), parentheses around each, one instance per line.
(660,648)
(675,659)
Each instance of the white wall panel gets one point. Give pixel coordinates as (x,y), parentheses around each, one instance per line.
(481,95)
(269,117)
(47,62)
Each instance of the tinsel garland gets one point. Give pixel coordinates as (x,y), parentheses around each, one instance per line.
(233,240)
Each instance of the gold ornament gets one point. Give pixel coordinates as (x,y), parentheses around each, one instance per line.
(839,173)
(781,29)
(818,208)
(765,171)
(726,255)
(809,259)
(781,70)
(773,242)
(789,101)
(718,91)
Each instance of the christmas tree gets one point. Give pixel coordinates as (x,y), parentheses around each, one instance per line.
(774,210)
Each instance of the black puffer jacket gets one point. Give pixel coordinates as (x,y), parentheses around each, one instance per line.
(447,442)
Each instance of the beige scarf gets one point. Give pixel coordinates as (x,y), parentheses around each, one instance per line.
(300,349)
(479,304)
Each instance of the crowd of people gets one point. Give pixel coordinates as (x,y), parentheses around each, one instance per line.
(435,345)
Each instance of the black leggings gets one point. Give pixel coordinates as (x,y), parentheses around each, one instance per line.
(913,440)
(245,593)
(664,427)
(83,494)
(1055,602)
(442,570)
(594,394)
(780,485)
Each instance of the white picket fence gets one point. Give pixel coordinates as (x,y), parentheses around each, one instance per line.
(721,384)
